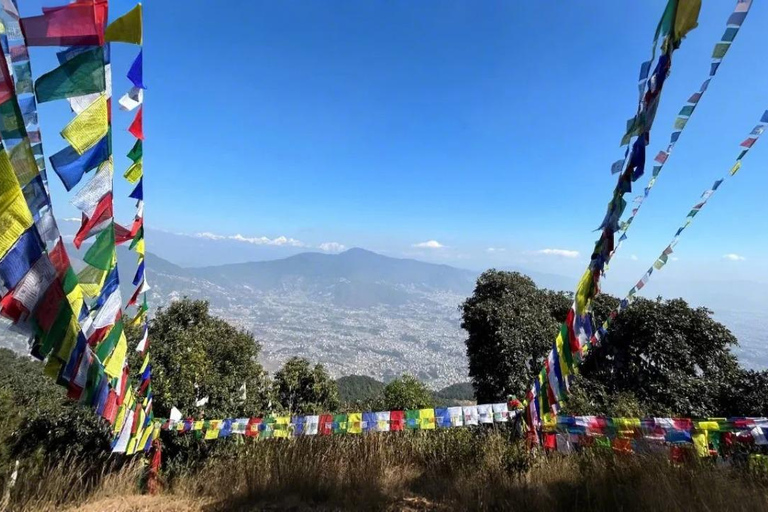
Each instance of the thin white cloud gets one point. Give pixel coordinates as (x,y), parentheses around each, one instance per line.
(71,219)
(429,244)
(565,253)
(331,247)
(259,240)
(674,258)
(633,257)
(495,249)
(733,257)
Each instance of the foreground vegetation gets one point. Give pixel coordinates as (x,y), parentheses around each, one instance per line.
(447,470)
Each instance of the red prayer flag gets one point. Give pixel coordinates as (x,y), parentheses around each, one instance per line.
(136,129)
(59,259)
(325,428)
(78,24)
(662,157)
(748,143)
(101,214)
(396,420)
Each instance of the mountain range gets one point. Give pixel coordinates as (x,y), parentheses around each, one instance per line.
(357,312)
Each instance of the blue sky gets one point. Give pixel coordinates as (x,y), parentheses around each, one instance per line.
(478,125)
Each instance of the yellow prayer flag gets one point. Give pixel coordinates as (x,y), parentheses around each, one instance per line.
(582,292)
(281,426)
(113,366)
(126,28)
(561,346)
(686,18)
(198,425)
(70,339)
(213,429)
(145,363)
(91,280)
(427,419)
(145,436)
(707,425)
(134,172)
(139,247)
(701,443)
(23,161)
(75,299)
(15,217)
(131,446)
(355,423)
(52,367)
(88,127)
(736,167)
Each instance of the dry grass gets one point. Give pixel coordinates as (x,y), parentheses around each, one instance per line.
(452,470)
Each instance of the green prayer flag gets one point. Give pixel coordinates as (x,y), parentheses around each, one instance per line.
(720,50)
(139,236)
(70,281)
(80,75)
(101,253)
(340,424)
(136,151)
(108,344)
(686,110)
(680,123)
(126,28)
(412,419)
(10,125)
(58,330)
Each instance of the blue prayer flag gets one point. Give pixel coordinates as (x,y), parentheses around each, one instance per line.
(70,166)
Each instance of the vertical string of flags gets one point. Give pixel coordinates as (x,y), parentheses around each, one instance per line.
(663,258)
(733,24)
(75,321)
(552,384)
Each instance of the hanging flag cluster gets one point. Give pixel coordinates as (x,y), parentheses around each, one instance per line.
(710,437)
(663,258)
(733,25)
(572,343)
(75,321)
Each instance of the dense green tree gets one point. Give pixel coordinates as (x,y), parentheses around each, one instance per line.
(36,416)
(745,395)
(303,389)
(460,392)
(675,359)
(407,392)
(510,325)
(659,357)
(196,355)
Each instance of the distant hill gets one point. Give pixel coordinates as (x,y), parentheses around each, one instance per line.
(462,391)
(358,388)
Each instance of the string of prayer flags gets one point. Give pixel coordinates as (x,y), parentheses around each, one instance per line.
(663,258)
(742,7)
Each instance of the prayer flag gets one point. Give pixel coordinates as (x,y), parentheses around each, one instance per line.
(134,173)
(500,413)
(485,413)
(87,198)
(355,423)
(382,421)
(412,419)
(456,416)
(427,419)
(83,74)
(136,151)
(80,24)
(138,191)
(127,28)
(135,73)
(101,253)
(369,422)
(470,415)
(132,99)
(89,127)
(396,421)
(71,165)
(19,259)
(136,129)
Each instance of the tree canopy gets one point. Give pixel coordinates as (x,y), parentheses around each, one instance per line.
(303,389)
(196,355)
(407,392)
(659,357)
